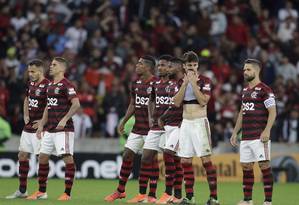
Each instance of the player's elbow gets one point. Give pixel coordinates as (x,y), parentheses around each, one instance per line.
(76,105)
(176,103)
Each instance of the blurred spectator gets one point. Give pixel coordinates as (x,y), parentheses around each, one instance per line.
(287,12)
(286,30)
(82,124)
(287,70)
(290,133)
(114,106)
(4,96)
(76,37)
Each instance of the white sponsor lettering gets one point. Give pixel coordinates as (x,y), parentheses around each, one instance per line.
(52,102)
(248,106)
(141,100)
(164,100)
(33,103)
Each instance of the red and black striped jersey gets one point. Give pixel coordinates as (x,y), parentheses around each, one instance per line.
(59,102)
(160,95)
(174,114)
(37,101)
(255,104)
(140,92)
(204,84)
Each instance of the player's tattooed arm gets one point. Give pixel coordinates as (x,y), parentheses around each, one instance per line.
(130,112)
(179,96)
(265,135)
(238,126)
(201,98)
(26,110)
(73,109)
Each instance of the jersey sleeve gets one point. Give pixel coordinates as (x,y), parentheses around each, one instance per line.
(269,98)
(206,87)
(70,91)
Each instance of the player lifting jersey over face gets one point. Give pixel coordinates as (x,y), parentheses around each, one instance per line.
(194,139)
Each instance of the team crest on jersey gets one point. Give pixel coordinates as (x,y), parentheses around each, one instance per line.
(254,94)
(56,91)
(167,89)
(37,92)
(149,90)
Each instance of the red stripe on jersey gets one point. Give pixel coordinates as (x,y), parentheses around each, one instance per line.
(37,101)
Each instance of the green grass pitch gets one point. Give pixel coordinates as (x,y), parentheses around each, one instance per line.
(92,192)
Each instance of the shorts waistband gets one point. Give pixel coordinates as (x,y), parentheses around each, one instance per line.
(195,120)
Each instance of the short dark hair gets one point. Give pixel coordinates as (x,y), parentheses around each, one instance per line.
(165,57)
(190,56)
(150,61)
(61,60)
(36,62)
(176,60)
(253,62)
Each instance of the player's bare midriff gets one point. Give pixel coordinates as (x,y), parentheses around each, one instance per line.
(194,111)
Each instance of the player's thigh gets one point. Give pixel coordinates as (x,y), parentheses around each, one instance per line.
(246,154)
(135,142)
(47,143)
(201,139)
(26,142)
(185,140)
(64,143)
(261,150)
(152,140)
(172,139)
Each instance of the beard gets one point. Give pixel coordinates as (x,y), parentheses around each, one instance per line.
(249,78)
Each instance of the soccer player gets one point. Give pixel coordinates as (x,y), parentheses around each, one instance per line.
(255,120)
(170,120)
(194,137)
(34,105)
(159,103)
(58,138)
(140,92)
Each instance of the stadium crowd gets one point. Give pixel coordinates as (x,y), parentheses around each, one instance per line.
(103,39)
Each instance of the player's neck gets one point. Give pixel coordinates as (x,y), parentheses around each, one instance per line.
(40,80)
(254,82)
(146,76)
(164,78)
(58,78)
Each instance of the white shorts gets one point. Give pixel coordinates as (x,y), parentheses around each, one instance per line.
(135,142)
(57,143)
(29,143)
(195,138)
(254,151)
(170,140)
(152,140)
